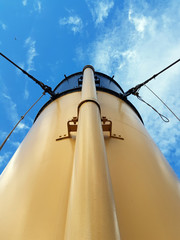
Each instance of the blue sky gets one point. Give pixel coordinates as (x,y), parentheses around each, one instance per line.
(130,39)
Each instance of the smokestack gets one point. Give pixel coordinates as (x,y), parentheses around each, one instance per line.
(88,169)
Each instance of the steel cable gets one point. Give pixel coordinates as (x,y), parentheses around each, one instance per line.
(22,117)
(162,102)
(164,118)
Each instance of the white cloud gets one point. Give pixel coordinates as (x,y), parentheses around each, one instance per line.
(3,25)
(24,2)
(22,126)
(12,112)
(18,71)
(3,134)
(140,22)
(38,6)
(16,144)
(108,52)
(26,91)
(74,22)
(4,158)
(26,94)
(30,44)
(12,108)
(134,48)
(100,9)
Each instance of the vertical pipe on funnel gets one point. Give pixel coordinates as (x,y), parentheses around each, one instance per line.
(91,210)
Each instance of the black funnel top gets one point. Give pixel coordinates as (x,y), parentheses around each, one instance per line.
(73,83)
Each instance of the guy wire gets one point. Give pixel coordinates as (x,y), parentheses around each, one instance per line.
(137,87)
(164,118)
(162,102)
(22,117)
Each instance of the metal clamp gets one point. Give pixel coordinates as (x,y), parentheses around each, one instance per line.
(88,100)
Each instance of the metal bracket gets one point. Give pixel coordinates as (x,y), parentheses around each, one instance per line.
(71,126)
(97,80)
(80,80)
(106,126)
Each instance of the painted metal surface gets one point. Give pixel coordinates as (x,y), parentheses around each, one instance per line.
(66,189)
(146,190)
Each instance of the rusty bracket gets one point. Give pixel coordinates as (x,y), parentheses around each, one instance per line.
(106,126)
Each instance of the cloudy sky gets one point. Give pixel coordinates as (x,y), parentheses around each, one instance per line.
(132,40)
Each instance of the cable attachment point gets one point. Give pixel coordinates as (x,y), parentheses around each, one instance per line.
(41,84)
(49,90)
(137,87)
